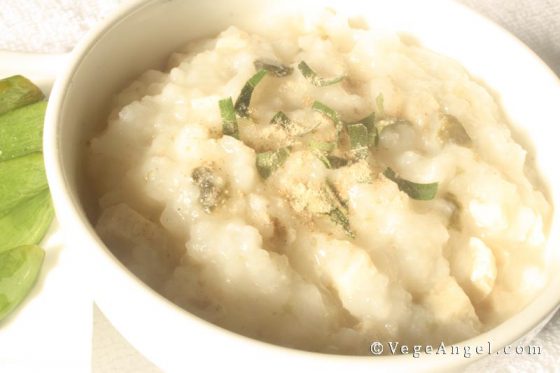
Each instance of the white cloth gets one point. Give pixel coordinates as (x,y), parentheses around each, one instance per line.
(50,26)
(54,26)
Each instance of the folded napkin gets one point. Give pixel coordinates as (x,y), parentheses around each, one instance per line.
(55,26)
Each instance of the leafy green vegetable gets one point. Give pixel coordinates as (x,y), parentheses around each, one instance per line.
(273,67)
(25,207)
(281,119)
(452,130)
(17,91)
(414,190)
(329,113)
(229,121)
(19,269)
(27,222)
(244,99)
(317,81)
(359,140)
(21,131)
(268,162)
(20,179)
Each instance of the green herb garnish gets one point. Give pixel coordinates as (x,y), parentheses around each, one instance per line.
(229,121)
(281,119)
(339,213)
(268,162)
(321,150)
(317,81)
(333,194)
(329,113)
(452,130)
(244,99)
(359,140)
(323,146)
(373,135)
(17,91)
(340,218)
(275,68)
(21,131)
(337,162)
(19,269)
(417,191)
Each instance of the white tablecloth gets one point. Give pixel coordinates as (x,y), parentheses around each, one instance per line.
(54,26)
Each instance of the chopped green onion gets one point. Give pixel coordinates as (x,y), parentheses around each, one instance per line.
(317,81)
(331,161)
(333,193)
(337,162)
(21,131)
(268,162)
(338,217)
(329,113)
(368,121)
(20,179)
(322,157)
(26,223)
(321,150)
(273,67)
(373,135)
(382,124)
(338,213)
(229,121)
(323,146)
(281,119)
(379,103)
(19,269)
(244,99)
(452,130)
(417,191)
(17,91)
(359,140)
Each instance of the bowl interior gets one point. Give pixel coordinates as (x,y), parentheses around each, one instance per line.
(145,33)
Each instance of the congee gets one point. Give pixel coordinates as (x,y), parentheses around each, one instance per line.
(321,187)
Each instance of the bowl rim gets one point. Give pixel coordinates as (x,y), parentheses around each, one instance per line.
(71,214)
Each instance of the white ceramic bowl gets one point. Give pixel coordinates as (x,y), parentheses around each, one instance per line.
(144,33)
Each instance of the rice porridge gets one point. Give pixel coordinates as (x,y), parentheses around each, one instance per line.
(320,188)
